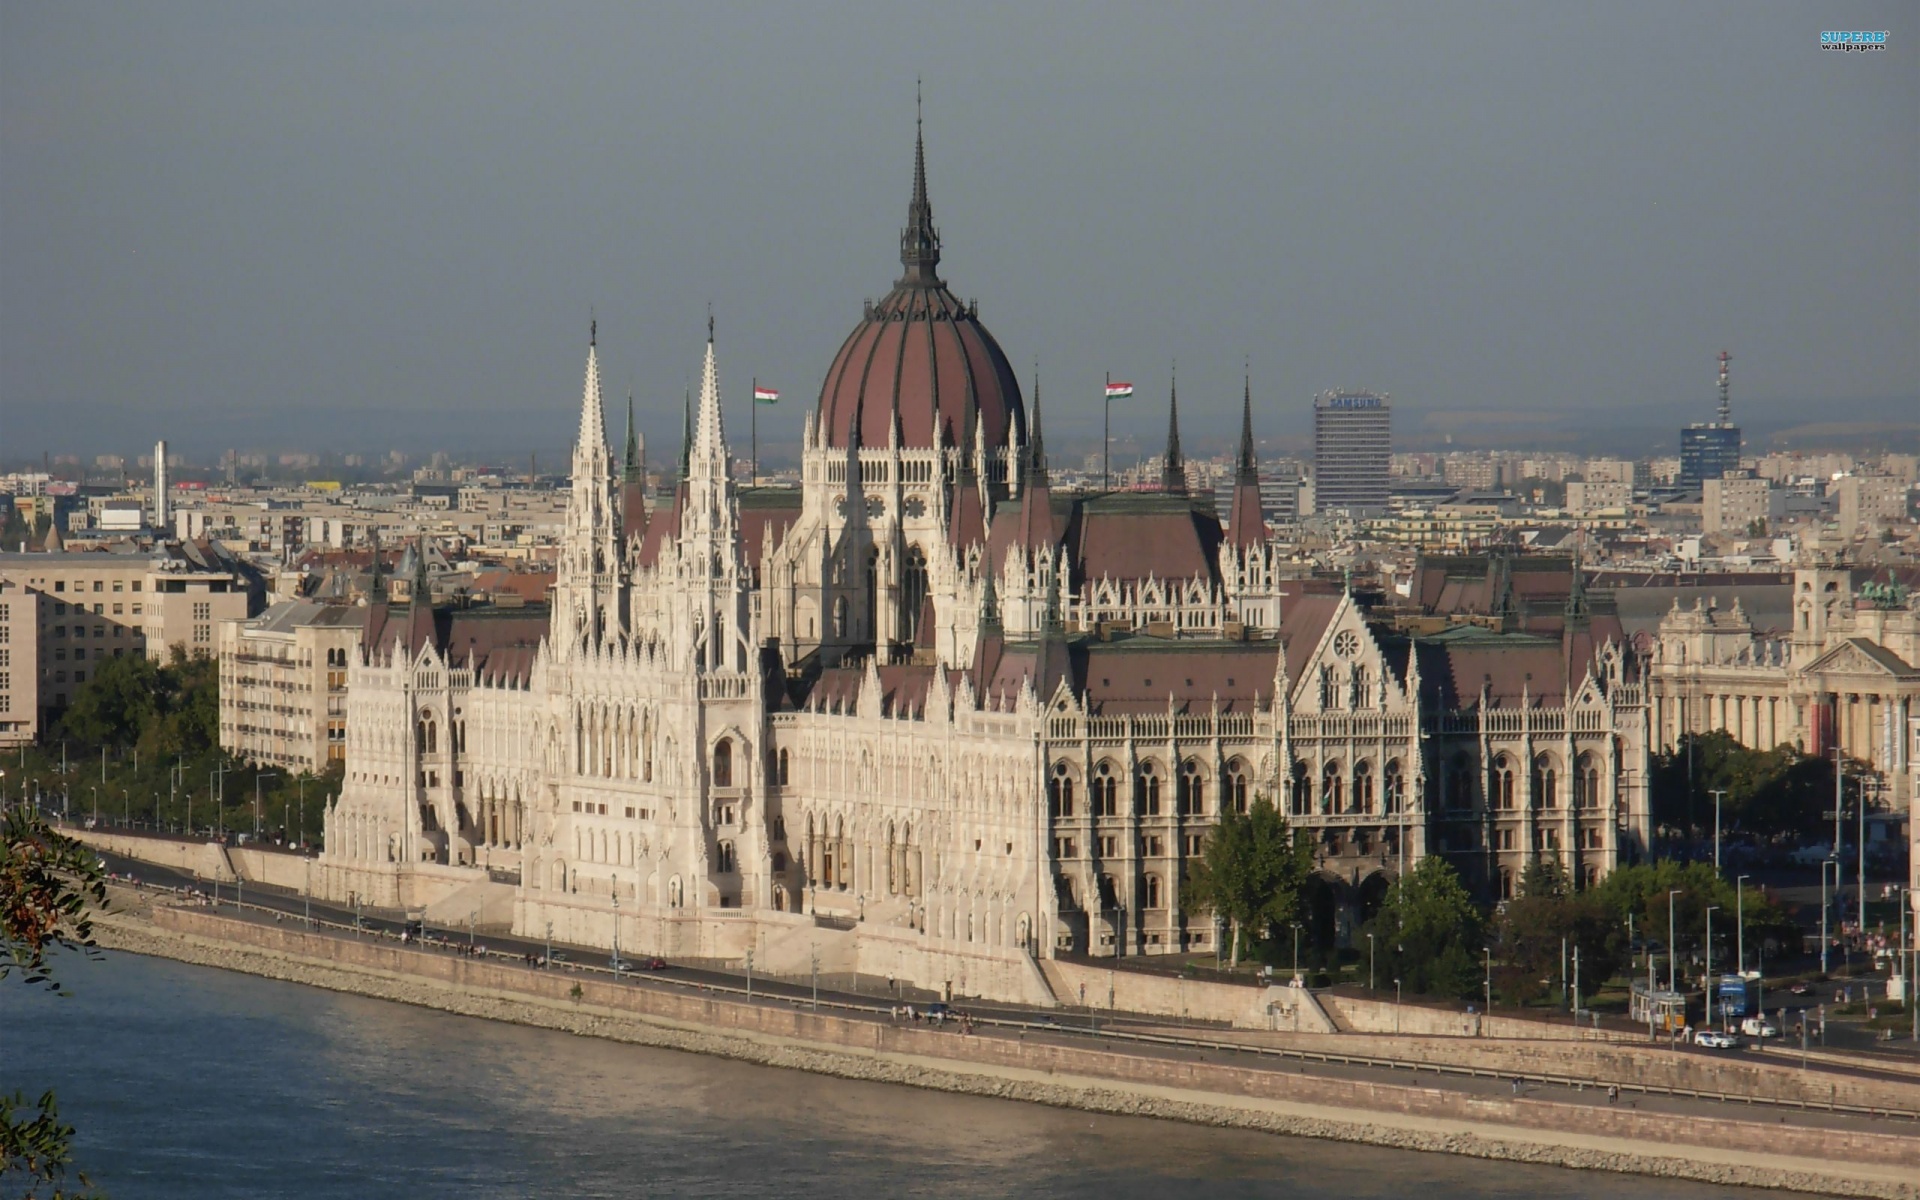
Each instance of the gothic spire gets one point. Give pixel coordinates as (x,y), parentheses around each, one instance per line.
(376,591)
(709,440)
(1036,447)
(593,419)
(919,241)
(1173,473)
(420,591)
(1246,521)
(632,471)
(686,434)
(1248,469)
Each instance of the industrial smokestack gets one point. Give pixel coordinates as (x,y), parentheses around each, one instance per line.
(162,519)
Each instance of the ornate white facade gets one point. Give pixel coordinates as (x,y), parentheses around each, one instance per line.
(923,719)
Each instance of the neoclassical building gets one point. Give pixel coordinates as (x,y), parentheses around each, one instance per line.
(925,717)
(1844,675)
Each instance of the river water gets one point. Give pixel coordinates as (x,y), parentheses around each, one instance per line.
(191,1082)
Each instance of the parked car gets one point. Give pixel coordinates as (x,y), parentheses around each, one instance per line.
(654,964)
(1759,1027)
(619,966)
(1716,1039)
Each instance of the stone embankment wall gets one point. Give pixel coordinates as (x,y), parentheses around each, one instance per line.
(1357,1014)
(1243,1006)
(1078,1074)
(1774,1076)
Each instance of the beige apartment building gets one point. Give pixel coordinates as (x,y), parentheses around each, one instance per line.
(19,663)
(1732,503)
(283,684)
(90,607)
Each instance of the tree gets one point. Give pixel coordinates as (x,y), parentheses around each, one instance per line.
(1771,793)
(1430,931)
(117,704)
(1547,916)
(48,884)
(1250,873)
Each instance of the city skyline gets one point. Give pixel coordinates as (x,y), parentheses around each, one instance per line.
(243,295)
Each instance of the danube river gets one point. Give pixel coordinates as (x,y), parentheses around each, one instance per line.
(191,1082)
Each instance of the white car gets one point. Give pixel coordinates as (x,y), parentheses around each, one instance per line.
(1759,1027)
(1715,1039)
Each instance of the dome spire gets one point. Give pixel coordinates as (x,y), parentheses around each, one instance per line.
(1247,523)
(1173,473)
(919,241)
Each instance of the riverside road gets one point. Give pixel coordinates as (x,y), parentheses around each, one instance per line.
(1041,1026)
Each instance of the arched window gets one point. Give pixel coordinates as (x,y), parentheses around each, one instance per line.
(1393,788)
(1153,891)
(780,768)
(1586,783)
(913,595)
(1060,791)
(1302,789)
(1506,884)
(1329,696)
(1146,789)
(1546,782)
(1363,787)
(1236,795)
(1503,782)
(725,857)
(1332,788)
(1460,782)
(1192,789)
(723,763)
(1105,790)
(428,733)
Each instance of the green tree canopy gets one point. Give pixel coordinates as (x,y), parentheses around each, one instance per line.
(1250,873)
(1429,932)
(1547,915)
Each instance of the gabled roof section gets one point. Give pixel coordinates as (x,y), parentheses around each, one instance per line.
(1135,535)
(1861,657)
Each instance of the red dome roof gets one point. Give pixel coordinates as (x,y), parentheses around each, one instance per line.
(922,354)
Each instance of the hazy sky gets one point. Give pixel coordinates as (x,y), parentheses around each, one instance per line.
(369,225)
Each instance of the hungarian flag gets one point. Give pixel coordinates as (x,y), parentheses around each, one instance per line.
(762,395)
(1119,391)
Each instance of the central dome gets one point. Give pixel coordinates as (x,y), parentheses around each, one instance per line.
(921,354)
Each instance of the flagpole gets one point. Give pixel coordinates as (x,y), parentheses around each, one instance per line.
(1106,435)
(754,423)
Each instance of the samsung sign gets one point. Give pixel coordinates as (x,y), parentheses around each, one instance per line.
(1353,402)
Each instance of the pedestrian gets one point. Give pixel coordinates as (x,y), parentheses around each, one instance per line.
(1613,1093)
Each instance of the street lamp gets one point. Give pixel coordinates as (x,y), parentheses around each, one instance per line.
(1296,950)
(1396,1006)
(1488,950)
(1672,956)
(256,799)
(1824,864)
(1708,986)
(1719,794)
(1370,962)
(1740,921)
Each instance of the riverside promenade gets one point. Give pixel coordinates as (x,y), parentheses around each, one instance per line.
(1830,1133)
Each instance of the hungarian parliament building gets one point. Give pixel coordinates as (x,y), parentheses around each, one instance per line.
(925,717)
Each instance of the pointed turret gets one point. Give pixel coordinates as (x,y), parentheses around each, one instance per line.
(1246,523)
(686,434)
(420,632)
(376,590)
(633,467)
(1036,502)
(709,431)
(1173,472)
(633,482)
(919,240)
(593,417)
